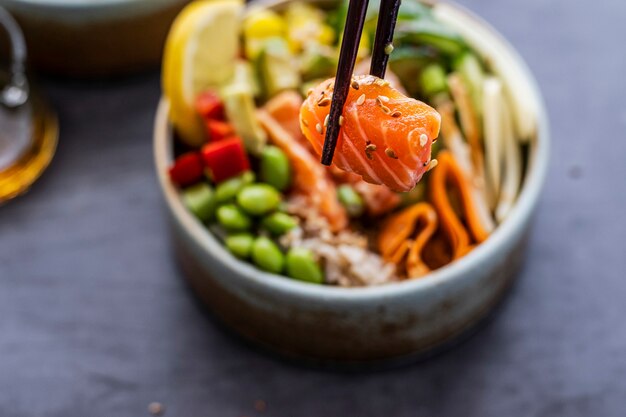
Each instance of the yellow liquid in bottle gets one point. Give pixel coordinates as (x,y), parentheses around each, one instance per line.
(28,139)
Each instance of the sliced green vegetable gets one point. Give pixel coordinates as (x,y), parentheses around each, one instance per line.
(351,200)
(471,70)
(433,80)
(267,256)
(301,265)
(233,218)
(275,168)
(276,68)
(241,112)
(258,199)
(279,223)
(318,61)
(407,62)
(227,190)
(431,33)
(200,200)
(240,244)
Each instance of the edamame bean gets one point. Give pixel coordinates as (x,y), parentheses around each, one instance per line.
(227,190)
(200,200)
(258,199)
(267,256)
(301,265)
(233,218)
(279,223)
(351,200)
(433,79)
(275,169)
(240,244)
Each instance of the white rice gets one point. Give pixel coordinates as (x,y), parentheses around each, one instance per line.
(345,256)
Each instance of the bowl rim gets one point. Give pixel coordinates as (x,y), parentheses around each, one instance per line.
(523,208)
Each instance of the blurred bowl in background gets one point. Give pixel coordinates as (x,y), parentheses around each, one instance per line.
(87,38)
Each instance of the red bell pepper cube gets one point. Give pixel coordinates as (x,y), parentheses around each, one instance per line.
(187,169)
(210,106)
(218,130)
(225,159)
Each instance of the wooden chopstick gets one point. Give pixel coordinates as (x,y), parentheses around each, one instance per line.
(357,9)
(347,57)
(387,16)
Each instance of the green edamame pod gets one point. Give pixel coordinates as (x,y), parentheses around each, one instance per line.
(301,265)
(240,244)
(200,200)
(433,80)
(351,200)
(258,199)
(233,218)
(275,169)
(267,256)
(227,190)
(279,223)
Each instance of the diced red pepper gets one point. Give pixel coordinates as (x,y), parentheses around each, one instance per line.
(187,169)
(225,159)
(218,130)
(210,106)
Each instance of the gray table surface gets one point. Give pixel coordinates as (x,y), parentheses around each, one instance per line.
(95,320)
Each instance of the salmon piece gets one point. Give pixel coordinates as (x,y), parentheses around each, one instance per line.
(385,137)
(285,109)
(310,177)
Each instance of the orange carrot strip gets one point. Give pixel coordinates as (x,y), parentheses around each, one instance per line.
(394,243)
(448,173)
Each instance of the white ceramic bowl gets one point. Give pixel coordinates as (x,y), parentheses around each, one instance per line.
(94,37)
(396,320)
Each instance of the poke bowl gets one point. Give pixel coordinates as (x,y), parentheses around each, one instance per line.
(405,273)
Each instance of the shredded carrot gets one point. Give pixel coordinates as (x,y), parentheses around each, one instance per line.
(448,173)
(404,236)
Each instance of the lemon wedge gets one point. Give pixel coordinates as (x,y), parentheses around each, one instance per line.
(200,53)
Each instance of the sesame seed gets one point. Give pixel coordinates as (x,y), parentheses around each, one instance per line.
(385,109)
(323,102)
(340,120)
(318,127)
(309,92)
(432,164)
(396,114)
(371,147)
(156,409)
(355,85)
(369,155)
(389,48)
(260,406)
(326,120)
(423,140)
(305,123)
(384,99)
(380,82)
(391,153)
(360,100)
